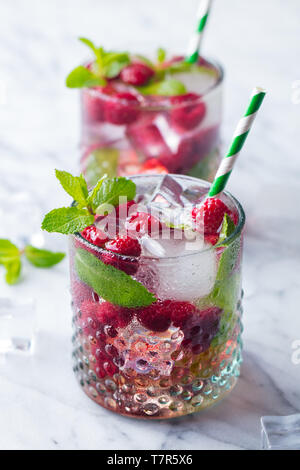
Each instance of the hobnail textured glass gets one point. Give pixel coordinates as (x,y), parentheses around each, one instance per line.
(146,374)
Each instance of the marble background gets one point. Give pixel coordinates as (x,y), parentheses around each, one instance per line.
(41,406)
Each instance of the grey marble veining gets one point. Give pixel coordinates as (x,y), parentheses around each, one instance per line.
(41,405)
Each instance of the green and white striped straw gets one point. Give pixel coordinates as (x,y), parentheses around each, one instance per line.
(240,135)
(195,41)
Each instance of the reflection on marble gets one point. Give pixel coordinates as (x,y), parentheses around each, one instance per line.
(41,405)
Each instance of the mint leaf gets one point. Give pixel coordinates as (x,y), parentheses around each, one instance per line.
(168,87)
(10,259)
(114,62)
(161,55)
(8,251)
(89,43)
(171,87)
(67,220)
(231,250)
(42,258)
(94,193)
(110,283)
(227,228)
(75,186)
(111,190)
(82,77)
(144,59)
(99,162)
(13,270)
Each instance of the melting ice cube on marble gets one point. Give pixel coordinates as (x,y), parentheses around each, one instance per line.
(281,432)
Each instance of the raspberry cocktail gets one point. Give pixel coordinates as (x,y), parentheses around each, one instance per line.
(156,295)
(148,116)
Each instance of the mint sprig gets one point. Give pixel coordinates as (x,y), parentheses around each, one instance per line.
(106,193)
(10,258)
(111,283)
(107,65)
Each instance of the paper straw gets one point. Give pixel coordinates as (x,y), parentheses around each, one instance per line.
(196,39)
(240,135)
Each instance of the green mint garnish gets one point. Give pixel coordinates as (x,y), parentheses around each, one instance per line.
(10,258)
(111,283)
(99,162)
(67,220)
(161,55)
(229,256)
(107,191)
(42,258)
(227,287)
(111,190)
(106,65)
(82,77)
(75,186)
(167,87)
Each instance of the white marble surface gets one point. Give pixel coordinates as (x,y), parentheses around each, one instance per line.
(41,406)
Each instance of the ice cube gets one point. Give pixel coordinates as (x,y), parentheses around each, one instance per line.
(168,193)
(190,276)
(281,432)
(17,325)
(171,137)
(152,247)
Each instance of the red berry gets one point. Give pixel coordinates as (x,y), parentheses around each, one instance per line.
(124,245)
(208,217)
(201,328)
(143,223)
(94,102)
(113,315)
(188,110)
(148,140)
(94,236)
(153,166)
(122,210)
(182,312)
(122,109)
(156,317)
(137,74)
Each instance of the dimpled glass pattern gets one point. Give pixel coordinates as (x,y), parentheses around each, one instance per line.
(141,373)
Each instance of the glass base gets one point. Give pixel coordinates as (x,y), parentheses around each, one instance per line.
(193,384)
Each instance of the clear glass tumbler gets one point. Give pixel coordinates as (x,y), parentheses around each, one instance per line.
(177,356)
(175,134)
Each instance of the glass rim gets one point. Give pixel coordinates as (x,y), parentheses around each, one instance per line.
(164,105)
(227,241)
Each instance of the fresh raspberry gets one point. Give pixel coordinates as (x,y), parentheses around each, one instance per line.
(94,236)
(136,74)
(129,266)
(148,140)
(143,223)
(113,315)
(124,245)
(94,102)
(201,328)
(153,166)
(188,110)
(122,210)
(156,317)
(122,109)
(181,312)
(209,216)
